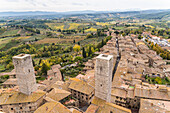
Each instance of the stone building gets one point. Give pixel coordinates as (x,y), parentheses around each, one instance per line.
(10,83)
(16,102)
(89,65)
(82,91)
(27,99)
(55,72)
(52,107)
(154,106)
(103,76)
(101,106)
(25,73)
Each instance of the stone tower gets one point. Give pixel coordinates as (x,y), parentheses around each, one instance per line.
(103,76)
(25,73)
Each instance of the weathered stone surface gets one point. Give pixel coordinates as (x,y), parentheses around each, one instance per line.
(25,73)
(103,76)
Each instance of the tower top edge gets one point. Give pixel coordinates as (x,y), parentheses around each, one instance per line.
(105,57)
(21,56)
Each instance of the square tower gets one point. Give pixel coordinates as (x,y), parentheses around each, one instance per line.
(25,73)
(103,76)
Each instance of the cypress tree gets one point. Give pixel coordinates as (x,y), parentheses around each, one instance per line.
(90,52)
(102,43)
(84,53)
(78,43)
(33,62)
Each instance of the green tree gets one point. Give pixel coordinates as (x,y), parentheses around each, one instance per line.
(84,53)
(44,69)
(33,62)
(110,33)
(40,61)
(116,32)
(123,34)
(78,43)
(76,48)
(90,52)
(102,43)
(89,36)
(139,36)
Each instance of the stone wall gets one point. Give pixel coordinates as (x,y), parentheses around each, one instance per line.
(27,107)
(103,76)
(25,73)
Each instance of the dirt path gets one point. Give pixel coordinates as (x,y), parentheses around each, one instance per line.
(19,31)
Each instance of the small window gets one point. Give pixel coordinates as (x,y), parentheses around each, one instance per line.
(29,70)
(111,112)
(30,107)
(12,109)
(28,102)
(20,107)
(101,69)
(101,85)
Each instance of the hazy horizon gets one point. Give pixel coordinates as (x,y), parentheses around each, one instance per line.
(77,5)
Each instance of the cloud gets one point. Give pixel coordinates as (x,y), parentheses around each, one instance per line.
(76,5)
(79,4)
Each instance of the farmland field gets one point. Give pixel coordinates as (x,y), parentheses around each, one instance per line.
(73,25)
(3,41)
(91,30)
(56,26)
(102,24)
(21,38)
(56,40)
(10,32)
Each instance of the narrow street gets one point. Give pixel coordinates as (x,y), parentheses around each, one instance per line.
(117,58)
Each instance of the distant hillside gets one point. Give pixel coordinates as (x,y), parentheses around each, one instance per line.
(160,15)
(33,13)
(30,13)
(149,14)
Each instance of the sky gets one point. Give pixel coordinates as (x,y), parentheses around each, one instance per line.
(79,5)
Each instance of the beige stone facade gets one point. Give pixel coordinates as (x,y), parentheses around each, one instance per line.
(25,73)
(103,76)
(16,102)
(81,91)
(154,106)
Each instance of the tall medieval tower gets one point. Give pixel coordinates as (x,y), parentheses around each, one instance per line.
(25,73)
(103,76)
